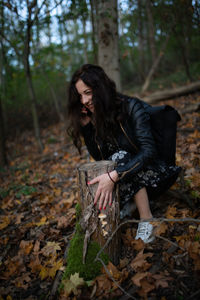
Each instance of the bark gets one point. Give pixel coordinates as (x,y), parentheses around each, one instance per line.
(151,30)
(85,46)
(172,93)
(3,64)
(99,226)
(30,83)
(108,49)
(155,66)
(141,41)
(3,159)
(94,29)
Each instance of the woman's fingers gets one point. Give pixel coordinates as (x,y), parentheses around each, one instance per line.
(94,180)
(104,204)
(97,195)
(110,199)
(101,200)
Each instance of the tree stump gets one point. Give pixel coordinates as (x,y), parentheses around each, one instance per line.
(99,225)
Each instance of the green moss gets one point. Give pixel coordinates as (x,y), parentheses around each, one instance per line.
(90,269)
(78,211)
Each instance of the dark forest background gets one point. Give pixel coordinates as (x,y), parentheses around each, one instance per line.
(43,42)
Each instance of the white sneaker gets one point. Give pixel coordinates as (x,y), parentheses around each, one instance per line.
(145,232)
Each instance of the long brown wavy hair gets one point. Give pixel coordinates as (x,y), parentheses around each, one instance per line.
(108,108)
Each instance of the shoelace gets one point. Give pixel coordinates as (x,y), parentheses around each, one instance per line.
(143,228)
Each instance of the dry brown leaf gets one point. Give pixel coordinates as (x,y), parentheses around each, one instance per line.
(103,284)
(51,248)
(146,287)
(64,221)
(115,273)
(139,262)
(22,281)
(138,277)
(160,229)
(18,218)
(161,280)
(138,244)
(171,212)
(4,222)
(26,247)
(35,264)
(36,246)
(43,221)
(123,263)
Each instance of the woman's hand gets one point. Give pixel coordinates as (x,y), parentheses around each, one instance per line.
(105,188)
(85,119)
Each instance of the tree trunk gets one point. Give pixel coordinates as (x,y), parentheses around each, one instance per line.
(94,29)
(3,159)
(30,84)
(98,225)
(108,49)
(141,42)
(171,93)
(85,46)
(154,66)
(3,63)
(151,30)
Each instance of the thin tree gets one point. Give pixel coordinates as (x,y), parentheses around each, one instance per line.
(108,48)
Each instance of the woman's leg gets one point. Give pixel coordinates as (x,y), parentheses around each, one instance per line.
(142,203)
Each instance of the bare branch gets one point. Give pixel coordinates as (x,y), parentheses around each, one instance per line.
(115,282)
(159,220)
(11,44)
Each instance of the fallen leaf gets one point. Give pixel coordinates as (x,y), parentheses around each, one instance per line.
(36,246)
(146,287)
(160,229)
(171,212)
(42,222)
(123,263)
(26,247)
(71,285)
(63,222)
(22,281)
(50,249)
(4,222)
(103,284)
(138,277)
(113,271)
(35,264)
(139,262)
(138,244)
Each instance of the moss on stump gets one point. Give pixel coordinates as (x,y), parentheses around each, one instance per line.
(90,269)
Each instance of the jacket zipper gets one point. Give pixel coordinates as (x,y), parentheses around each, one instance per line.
(124,173)
(122,128)
(99,149)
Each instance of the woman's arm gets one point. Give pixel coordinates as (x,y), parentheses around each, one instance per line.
(139,124)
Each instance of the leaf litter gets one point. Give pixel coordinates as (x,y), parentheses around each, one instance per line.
(38,197)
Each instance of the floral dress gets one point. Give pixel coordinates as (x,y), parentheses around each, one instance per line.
(153,177)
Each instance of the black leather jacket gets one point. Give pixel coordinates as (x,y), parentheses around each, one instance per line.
(134,137)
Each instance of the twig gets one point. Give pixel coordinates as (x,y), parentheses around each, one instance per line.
(149,220)
(117,284)
(193,295)
(167,240)
(59,274)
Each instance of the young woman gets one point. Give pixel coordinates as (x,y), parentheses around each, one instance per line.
(116,127)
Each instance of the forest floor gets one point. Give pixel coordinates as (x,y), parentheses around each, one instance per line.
(38,194)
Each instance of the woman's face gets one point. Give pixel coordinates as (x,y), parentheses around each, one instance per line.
(85,93)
